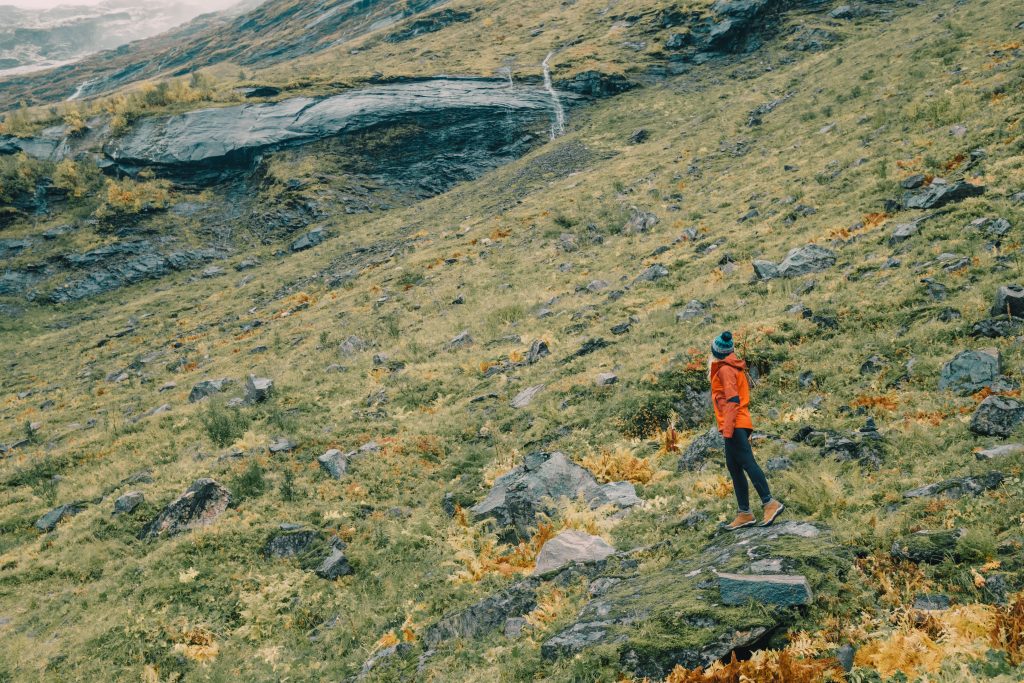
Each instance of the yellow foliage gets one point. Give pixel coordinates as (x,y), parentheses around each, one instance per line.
(716,486)
(619,465)
(198,645)
(550,606)
(764,666)
(128,196)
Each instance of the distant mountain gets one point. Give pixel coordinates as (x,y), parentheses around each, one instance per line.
(31,40)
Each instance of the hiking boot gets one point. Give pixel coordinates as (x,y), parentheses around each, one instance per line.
(742,519)
(772,510)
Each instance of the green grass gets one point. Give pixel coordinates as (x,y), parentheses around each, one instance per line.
(91,602)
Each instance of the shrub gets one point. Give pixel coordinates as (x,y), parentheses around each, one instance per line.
(223,425)
(126,197)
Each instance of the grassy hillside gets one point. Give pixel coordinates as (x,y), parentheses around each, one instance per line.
(91,602)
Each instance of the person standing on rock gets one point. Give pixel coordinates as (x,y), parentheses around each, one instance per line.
(730,397)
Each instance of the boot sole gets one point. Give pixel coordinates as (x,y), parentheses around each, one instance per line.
(741,526)
(768,522)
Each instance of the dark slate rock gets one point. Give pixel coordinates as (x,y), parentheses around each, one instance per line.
(808,259)
(997,416)
(207,388)
(428,23)
(309,240)
(460,341)
(1009,301)
(994,227)
(519,496)
(930,602)
(970,371)
(334,565)
(766,270)
(959,487)
(930,547)
(912,182)
(485,616)
(939,194)
(996,327)
(126,504)
(652,273)
(640,135)
(258,389)
(700,449)
(291,542)
(200,505)
(49,521)
(782,590)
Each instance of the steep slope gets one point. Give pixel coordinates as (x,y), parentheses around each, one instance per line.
(663,216)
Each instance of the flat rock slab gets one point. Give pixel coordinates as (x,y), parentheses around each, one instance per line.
(1002,451)
(571,546)
(959,487)
(526,396)
(51,519)
(784,590)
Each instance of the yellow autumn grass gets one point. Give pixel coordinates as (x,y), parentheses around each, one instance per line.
(619,464)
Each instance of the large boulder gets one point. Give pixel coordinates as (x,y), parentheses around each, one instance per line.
(519,496)
(997,416)
(970,371)
(676,615)
(199,506)
(571,546)
(1009,301)
(808,259)
(940,194)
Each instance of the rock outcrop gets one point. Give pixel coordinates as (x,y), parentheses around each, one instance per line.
(201,504)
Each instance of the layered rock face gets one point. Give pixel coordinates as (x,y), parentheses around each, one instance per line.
(464,125)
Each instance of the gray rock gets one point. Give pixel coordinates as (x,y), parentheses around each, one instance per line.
(931,547)
(538,349)
(621,494)
(605,379)
(782,590)
(526,396)
(913,182)
(998,326)
(309,240)
(335,463)
(700,449)
(353,345)
(49,521)
(596,285)
(903,232)
(200,505)
(460,341)
(765,270)
(970,371)
(808,259)
(258,389)
(997,416)
(959,487)
(692,310)
(639,222)
(514,627)
(571,546)
(207,388)
(486,615)
(845,654)
(1001,451)
(334,565)
(993,226)
(652,273)
(1009,301)
(281,445)
(126,504)
(940,194)
(519,496)
(291,542)
(778,464)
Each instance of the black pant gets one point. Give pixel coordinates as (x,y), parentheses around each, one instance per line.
(739,458)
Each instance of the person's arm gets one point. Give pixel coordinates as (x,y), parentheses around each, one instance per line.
(731,396)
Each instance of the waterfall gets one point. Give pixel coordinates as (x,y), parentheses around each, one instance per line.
(558,127)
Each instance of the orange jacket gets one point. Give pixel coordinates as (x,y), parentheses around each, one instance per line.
(730,395)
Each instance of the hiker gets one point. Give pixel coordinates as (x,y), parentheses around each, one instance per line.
(730,397)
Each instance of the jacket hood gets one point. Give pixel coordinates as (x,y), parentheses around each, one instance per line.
(733,360)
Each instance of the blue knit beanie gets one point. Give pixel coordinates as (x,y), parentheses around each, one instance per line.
(722,346)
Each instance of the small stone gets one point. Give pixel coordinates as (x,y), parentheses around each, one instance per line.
(779,589)
(167,386)
(309,240)
(912,182)
(207,388)
(460,341)
(605,379)
(127,503)
(1001,451)
(538,349)
(778,464)
(49,521)
(765,270)
(693,309)
(620,494)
